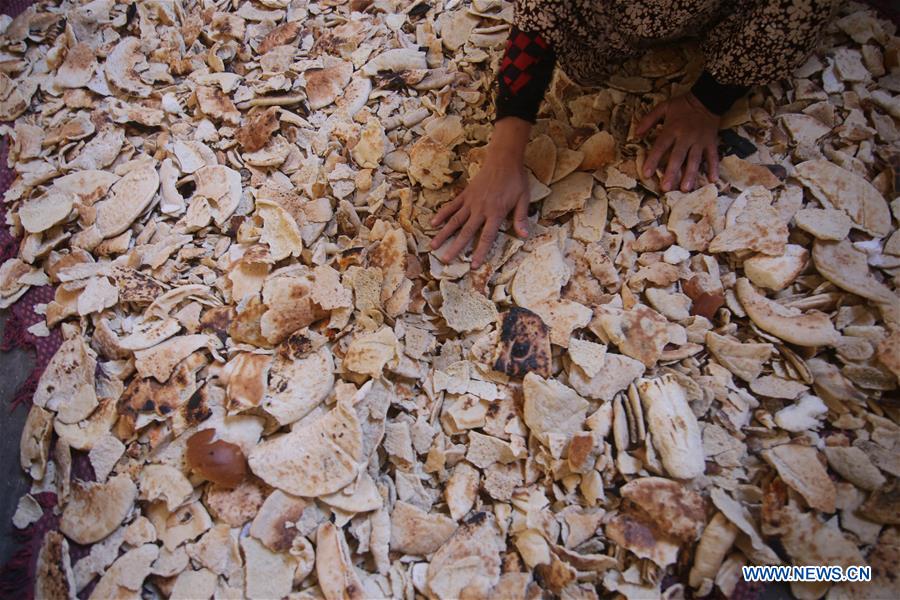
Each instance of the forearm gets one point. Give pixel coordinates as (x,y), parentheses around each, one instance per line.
(508,140)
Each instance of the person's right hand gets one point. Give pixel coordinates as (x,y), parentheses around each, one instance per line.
(499,187)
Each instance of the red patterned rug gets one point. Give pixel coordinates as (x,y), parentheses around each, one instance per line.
(17,575)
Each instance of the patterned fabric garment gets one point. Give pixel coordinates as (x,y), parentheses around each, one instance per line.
(745,42)
(524,75)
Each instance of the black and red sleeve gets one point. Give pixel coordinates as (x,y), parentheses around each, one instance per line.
(524,76)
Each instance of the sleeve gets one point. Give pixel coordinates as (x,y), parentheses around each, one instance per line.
(760,42)
(524,75)
(716,97)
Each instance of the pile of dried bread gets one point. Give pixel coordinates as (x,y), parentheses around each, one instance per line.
(282,391)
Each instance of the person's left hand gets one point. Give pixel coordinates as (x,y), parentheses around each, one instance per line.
(689,134)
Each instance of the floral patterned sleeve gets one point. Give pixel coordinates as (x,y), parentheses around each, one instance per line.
(763,40)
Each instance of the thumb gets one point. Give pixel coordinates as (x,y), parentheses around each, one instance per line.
(520,217)
(650,119)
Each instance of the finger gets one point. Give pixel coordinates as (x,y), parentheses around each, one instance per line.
(520,217)
(650,119)
(455,222)
(674,166)
(486,241)
(693,168)
(660,147)
(463,237)
(712,162)
(447,210)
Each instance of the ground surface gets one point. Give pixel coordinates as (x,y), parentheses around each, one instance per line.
(14,369)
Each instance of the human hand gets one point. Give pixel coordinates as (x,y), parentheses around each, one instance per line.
(499,187)
(689,134)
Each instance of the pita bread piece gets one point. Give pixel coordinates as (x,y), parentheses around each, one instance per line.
(267,574)
(744,174)
(639,537)
(288,296)
(881,506)
(274,524)
(808,541)
(125,578)
(540,276)
(396,60)
(777,272)
(95,510)
(128,198)
(160,360)
(466,310)
(540,157)
(599,150)
(694,217)
(121,64)
(567,195)
(164,481)
(369,354)
(641,333)
(844,265)
(888,352)
(429,163)
(744,360)
(469,562)
(67,385)
(190,584)
(336,573)
(221,187)
(256,132)
(563,317)
(524,344)
(54,577)
(839,188)
(279,231)
(855,466)
(800,468)
(590,357)
(718,537)
(812,328)
(40,214)
(78,68)
(566,162)
(297,386)
(246,377)
(753,224)
(618,373)
(313,459)
(551,407)
(414,531)
(673,508)
(676,434)
(824,223)
(215,104)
